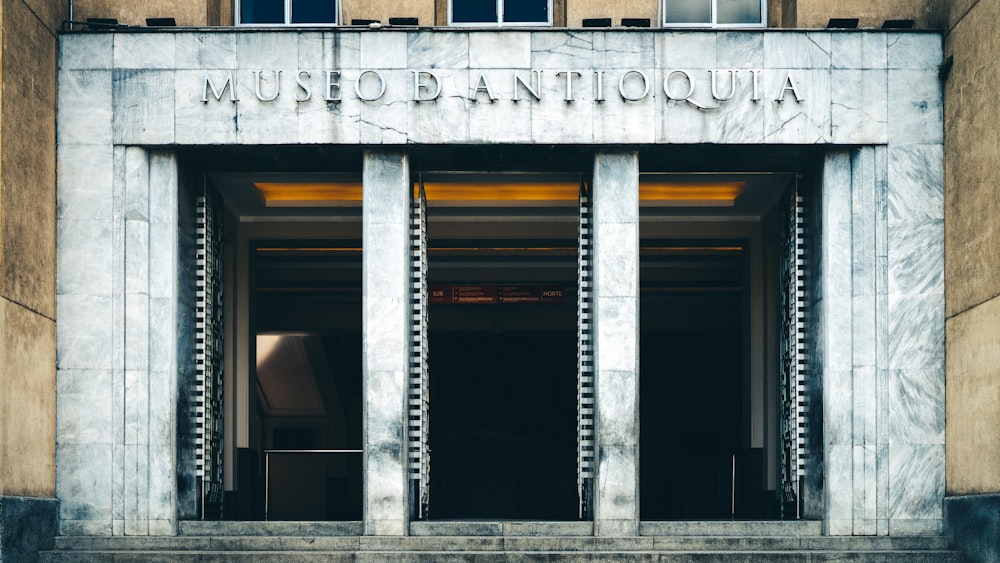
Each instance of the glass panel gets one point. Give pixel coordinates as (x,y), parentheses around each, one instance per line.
(688,11)
(738,11)
(526,11)
(262,11)
(473,11)
(314,11)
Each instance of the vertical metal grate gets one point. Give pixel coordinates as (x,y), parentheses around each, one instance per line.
(585,358)
(793,348)
(418,397)
(209,344)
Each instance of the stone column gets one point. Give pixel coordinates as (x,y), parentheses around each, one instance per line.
(386,185)
(881,353)
(118,354)
(616,343)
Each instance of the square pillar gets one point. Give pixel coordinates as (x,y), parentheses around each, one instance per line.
(385,240)
(118,360)
(616,342)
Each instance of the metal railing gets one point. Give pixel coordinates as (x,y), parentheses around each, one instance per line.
(267,468)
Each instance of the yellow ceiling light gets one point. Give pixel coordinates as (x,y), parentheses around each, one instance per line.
(530,194)
(312,194)
(690,194)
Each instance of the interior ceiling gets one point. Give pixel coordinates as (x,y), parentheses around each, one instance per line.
(763,173)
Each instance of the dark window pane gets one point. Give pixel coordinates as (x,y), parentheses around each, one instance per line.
(738,11)
(526,11)
(262,11)
(473,11)
(314,11)
(688,11)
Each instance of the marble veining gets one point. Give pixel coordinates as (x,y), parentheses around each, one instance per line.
(878,313)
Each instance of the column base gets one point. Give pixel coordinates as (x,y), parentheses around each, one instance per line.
(972,524)
(27,525)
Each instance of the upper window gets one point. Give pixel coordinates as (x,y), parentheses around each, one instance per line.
(284,12)
(500,12)
(714,13)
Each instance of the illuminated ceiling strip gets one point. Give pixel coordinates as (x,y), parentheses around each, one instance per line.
(690,194)
(311,194)
(653,193)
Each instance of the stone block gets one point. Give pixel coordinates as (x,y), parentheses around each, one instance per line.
(916,110)
(972,525)
(383,50)
(90,51)
(557,50)
(27,525)
(144,51)
(197,51)
(197,122)
(860,107)
(808,50)
(85,113)
(144,107)
(428,50)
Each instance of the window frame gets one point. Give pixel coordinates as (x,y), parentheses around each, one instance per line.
(238,16)
(500,22)
(714,23)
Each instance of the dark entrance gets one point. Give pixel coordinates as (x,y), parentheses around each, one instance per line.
(307,311)
(503,425)
(692,376)
(503,365)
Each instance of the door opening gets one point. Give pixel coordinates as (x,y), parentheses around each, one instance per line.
(503,350)
(692,372)
(307,311)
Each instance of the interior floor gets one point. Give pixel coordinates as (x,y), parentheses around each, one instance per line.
(504,421)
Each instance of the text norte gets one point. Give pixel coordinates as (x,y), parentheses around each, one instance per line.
(687,86)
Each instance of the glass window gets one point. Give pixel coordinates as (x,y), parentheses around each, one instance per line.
(501,12)
(714,13)
(287,11)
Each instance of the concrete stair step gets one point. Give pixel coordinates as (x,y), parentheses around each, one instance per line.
(487,543)
(508,541)
(900,556)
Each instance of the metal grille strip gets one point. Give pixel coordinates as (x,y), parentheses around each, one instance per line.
(209,345)
(418,397)
(793,348)
(585,357)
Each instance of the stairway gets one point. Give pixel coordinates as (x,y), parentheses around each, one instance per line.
(716,542)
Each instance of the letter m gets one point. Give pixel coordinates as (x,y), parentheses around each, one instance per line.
(217,93)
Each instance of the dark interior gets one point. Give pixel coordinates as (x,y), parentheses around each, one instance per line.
(692,370)
(504,422)
(308,319)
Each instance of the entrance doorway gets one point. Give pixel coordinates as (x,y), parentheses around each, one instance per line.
(503,352)
(307,314)
(710,398)
(693,365)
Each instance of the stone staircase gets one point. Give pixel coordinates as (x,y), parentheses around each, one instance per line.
(489,541)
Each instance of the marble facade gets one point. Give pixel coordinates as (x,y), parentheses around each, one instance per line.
(128,100)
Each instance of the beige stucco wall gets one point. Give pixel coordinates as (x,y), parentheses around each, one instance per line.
(781,13)
(27,246)
(385,9)
(135,12)
(972,239)
(578,10)
(928,14)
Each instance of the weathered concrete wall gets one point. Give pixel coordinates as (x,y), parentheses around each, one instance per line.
(972,236)
(577,10)
(28,61)
(186,12)
(27,239)
(928,14)
(383,10)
